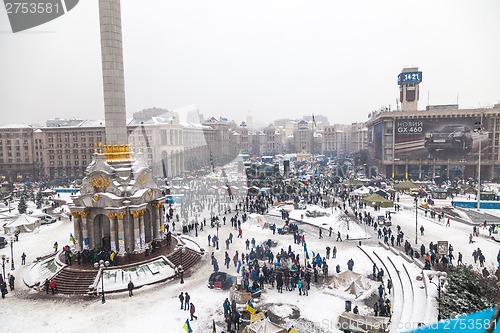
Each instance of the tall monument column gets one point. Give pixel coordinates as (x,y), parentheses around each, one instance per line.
(112,72)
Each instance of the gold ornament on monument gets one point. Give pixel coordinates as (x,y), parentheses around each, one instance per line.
(99,182)
(143,179)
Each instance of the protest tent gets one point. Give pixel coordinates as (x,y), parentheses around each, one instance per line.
(264,326)
(405,185)
(355,289)
(377,200)
(23,223)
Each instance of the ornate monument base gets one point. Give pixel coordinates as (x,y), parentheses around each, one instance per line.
(120,207)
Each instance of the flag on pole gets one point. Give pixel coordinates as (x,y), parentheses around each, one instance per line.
(187,328)
(250,308)
(314,120)
(72,239)
(305,250)
(214,330)
(292,330)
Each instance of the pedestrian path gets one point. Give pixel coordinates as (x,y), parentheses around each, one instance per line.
(407,292)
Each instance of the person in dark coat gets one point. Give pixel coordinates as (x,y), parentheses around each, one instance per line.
(181,298)
(23,259)
(389,285)
(3,289)
(186,301)
(11,281)
(130,288)
(236,320)
(46,285)
(381,290)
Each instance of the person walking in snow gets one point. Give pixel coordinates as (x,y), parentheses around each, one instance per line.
(130,288)
(46,285)
(186,301)
(11,281)
(181,299)
(3,288)
(381,290)
(53,286)
(350,264)
(191,311)
(389,285)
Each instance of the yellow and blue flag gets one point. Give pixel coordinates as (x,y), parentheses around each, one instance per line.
(214,330)
(187,328)
(305,250)
(72,239)
(292,330)
(250,308)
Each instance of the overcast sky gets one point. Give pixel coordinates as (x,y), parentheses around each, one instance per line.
(276,58)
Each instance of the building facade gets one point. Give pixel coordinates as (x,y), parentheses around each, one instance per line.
(436,143)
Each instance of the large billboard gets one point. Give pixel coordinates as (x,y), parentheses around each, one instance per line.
(441,138)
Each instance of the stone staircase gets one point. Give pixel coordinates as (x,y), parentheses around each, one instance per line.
(189,259)
(75,281)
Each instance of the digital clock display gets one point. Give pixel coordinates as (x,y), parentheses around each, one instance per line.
(410,77)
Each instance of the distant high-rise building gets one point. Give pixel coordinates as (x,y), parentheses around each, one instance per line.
(249,120)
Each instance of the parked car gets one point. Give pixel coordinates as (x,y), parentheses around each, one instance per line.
(449,137)
(221,280)
(3,242)
(48,220)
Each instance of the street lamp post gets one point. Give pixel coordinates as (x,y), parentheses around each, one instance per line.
(181,268)
(478,130)
(217,242)
(440,283)
(4,258)
(416,219)
(101,265)
(12,254)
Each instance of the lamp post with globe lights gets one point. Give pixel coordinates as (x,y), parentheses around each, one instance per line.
(181,267)
(101,265)
(12,253)
(217,242)
(416,219)
(479,130)
(4,259)
(441,280)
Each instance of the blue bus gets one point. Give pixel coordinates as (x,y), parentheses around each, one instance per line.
(175,198)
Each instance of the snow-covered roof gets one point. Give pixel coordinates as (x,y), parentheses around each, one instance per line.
(14,126)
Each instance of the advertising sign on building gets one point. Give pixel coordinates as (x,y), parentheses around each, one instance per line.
(442,247)
(452,138)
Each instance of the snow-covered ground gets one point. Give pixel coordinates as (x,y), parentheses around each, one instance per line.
(156,308)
